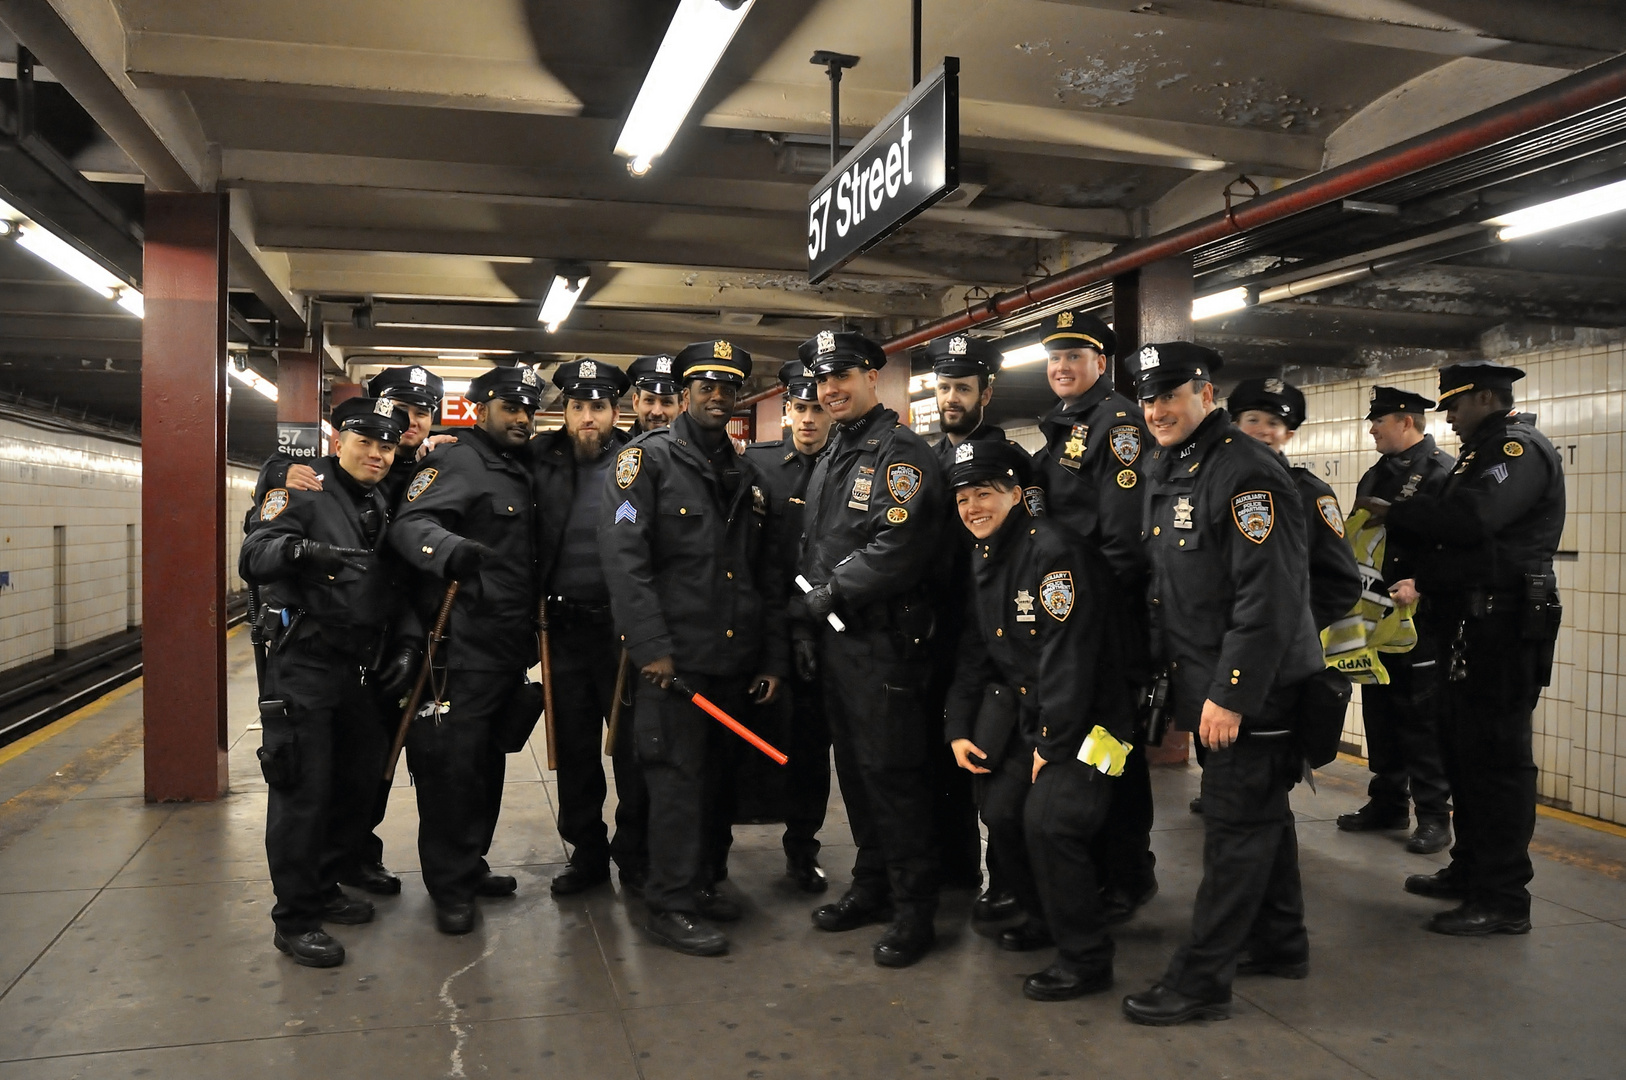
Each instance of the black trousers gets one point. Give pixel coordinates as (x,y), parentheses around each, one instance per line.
(959,841)
(1122,850)
(686,760)
(1490,762)
(322,756)
(1403,741)
(886,764)
(459,773)
(370,851)
(585,657)
(807,773)
(1250,899)
(1044,832)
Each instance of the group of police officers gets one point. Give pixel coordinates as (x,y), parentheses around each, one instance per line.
(970,628)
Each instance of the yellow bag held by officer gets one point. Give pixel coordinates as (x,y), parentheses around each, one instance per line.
(1376,624)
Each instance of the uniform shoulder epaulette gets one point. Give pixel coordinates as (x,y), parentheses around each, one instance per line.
(765,444)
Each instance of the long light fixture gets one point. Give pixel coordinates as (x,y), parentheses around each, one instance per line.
(695,41)
(1220,303)
(561,299)
(1560,212)
(253,380)
(45,244)
(1027,354)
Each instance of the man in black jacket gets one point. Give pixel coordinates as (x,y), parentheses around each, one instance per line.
(1402,717)
(1489,538)
(1231,622)
(330,604)
(570,467)
(469,516)
(1041,612)
(689,541)
(875,510)
(654,393)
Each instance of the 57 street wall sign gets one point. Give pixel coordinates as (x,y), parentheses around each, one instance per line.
(906,163)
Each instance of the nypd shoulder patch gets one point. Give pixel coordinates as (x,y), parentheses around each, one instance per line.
(1033,499)
(420,483)
(1255,514)
(627,465)
(1331,514)
(1056,594)
(903,481)
(276,501)
(1125,441)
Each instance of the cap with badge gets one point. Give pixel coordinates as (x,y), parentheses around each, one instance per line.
(590,380)
(960,356)
(798,381)
(833,350)
(1475,375)
(656,374)
(977,461)
(1077,330)
(1160,368)
(381,418)
(717,360)
(518,384)
(1391,399)
(409,385)
(1273,396)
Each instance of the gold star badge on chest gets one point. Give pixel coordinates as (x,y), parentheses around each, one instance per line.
(1024,606)
(1182,513)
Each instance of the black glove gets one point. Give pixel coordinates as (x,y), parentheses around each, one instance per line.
(466,559)
(805,658)
(395,674)
(822,600)
(326,557)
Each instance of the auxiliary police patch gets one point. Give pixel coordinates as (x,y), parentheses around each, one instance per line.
(1255,514)
(1331,514)
(903,481)
(1056,594)
(1033,499)
(627,464)
(420,483)
(276,501)
(1125,441)
(896,515)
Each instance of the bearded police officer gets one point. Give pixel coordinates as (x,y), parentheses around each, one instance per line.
(1231,621)
(1271,411)
(963,368)
(1402,717)
(874,526)
(1091,468)
(688,543)
(654,393)
(787,466)
(1487,541)
(570,467)
(329,603)
(469,517)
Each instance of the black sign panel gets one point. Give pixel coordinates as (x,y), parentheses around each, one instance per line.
(301,441)
(905,164)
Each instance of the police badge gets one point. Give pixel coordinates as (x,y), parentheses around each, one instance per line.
(276,501)
(759,501)
(825,342)
(1125,440)
(663,365)
(1331,514)
(1274,386)
(587,370)
(1182,513)
(527,376)
(1255,514)
(420,483)
(722,350)
(958,345)
(1056,594)
(627,464)
(1064,321)
(963,453)
(418,377)
(384,407)
(903,481)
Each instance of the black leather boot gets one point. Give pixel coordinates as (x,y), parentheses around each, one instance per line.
(1160,1007)
(313,948)
(497,885)
(684,933)
(905,942)
(347,910)
(1058,983)
(852,911)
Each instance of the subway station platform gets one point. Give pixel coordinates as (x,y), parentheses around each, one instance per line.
(135,941)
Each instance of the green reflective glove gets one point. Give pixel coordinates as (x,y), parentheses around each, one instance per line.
(1104,752)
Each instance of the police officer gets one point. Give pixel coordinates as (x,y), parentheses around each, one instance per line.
(1035,585)
(1231,621)
(964,368)
(1271,411)
(469,517)
(1490,534)
(698,595)
(1091,469)
(570,467)
(654,393)
(1401,718)
(787,466)
(330,603)
(874,524)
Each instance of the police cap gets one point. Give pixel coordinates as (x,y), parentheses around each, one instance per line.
(378,417)
(517,384)
(409,385)
(718,360)
(798,381)
(1273,396)
(1391,399)
(833,350)
(1475,375)
(1159,368)
(977,461)
(657,373)
(590,380)
(960,355)
(1077,330)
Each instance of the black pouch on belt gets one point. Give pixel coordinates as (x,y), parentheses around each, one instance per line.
(279,753)
(1322,704)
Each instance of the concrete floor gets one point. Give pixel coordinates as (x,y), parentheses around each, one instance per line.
(135,942)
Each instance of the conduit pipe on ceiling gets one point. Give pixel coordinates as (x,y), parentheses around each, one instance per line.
(1462,245)
(1598,85)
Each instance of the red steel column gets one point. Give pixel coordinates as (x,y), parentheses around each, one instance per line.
(183,496)
(299,387)
(894,386)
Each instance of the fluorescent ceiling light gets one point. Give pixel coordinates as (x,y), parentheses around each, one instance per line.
(1027,354)
(1220,303)
(459,387)
(254,380)
(696,39)
(563,294)
(920,383)
(437,352)
(1559,212)
(133,302)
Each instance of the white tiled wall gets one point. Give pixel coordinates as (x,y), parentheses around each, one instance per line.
(1579,396)
(91,488)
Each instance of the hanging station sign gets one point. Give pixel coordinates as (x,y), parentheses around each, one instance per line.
(906,163)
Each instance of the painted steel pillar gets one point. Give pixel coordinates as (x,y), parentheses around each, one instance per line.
(299,387)
(894,386)
(183,496)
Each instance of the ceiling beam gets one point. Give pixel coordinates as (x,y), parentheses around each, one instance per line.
(568,339)
(264,273)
